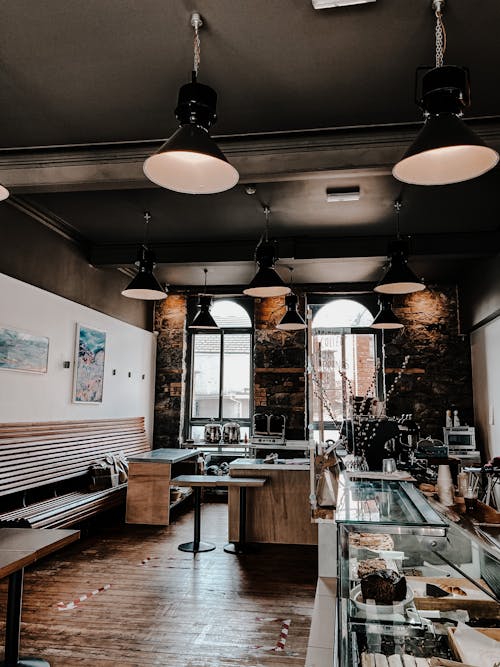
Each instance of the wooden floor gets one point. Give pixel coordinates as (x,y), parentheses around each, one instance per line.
(176,610)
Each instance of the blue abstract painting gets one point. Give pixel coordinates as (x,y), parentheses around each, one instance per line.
(89,365)
(21,351)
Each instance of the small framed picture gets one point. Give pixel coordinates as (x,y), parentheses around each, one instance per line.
(90,353)
(23,351)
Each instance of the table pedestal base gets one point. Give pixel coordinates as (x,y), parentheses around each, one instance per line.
(194,547)
(28,662)
(236,548)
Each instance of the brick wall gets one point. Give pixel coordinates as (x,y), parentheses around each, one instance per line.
(439,368)
(170,323)
(438,374)
(279,357)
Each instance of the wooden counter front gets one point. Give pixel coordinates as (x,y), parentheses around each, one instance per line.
(279,512)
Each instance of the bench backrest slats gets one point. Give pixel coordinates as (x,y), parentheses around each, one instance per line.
(36,454)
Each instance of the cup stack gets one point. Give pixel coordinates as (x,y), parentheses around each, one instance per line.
(446,489)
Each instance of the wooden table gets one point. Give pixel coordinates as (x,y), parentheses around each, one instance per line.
(20,547)
(149,478)
(198,481)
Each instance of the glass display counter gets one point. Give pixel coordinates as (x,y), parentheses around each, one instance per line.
(406,578)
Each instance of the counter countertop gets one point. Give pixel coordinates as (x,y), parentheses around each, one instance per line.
(258,464)
(164,456)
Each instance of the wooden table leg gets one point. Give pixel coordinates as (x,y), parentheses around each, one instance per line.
(13,626)
(196,545)
(241,546)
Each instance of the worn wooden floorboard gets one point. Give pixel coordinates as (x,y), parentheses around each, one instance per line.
(177,609)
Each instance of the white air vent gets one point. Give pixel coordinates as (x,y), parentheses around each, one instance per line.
(327,4)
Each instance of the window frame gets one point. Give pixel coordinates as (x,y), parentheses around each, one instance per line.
(368,301)
(189,421)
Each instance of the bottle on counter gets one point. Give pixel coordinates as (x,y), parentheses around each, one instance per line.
(462,483)
(456,419)
(448,419)
(200,464)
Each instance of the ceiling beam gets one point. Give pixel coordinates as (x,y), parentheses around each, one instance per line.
(479,244)
(341,152)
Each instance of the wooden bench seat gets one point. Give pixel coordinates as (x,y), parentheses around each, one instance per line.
(47,464)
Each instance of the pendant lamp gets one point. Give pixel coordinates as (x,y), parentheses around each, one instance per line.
(446,150)
(399,278)
(292,320)
(266,281)
(4,193)
(144,285)
(203,319)
(386,318)
(190,161)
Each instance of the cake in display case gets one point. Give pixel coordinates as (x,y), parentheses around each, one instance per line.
(408,579)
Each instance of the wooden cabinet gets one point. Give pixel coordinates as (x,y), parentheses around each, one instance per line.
(148,491)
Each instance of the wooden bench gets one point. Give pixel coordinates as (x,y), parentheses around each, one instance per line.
(44,468)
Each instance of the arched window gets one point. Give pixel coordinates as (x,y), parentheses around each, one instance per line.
(221,370)
(344,359)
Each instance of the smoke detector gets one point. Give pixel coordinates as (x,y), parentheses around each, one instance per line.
(328,4)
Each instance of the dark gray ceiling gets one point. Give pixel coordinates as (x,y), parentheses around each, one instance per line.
(77,72)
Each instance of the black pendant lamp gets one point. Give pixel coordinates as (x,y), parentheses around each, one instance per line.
(203,319)
(190,161)
(386,318)
(446,150)
(144,285)
(292,320)
(266,281)
(399,278)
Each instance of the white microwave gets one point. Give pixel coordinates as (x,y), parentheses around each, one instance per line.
(460,438)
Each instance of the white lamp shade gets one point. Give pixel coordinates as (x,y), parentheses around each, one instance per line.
(4,193)
(191,162)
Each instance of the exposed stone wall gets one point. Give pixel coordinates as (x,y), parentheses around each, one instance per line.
(438,373)
(170,323)
(279,357)
(439,368)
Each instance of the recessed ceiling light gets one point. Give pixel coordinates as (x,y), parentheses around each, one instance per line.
(343,194)
(327,4)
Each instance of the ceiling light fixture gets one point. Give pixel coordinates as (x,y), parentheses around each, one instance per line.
(190,161)
(203,318)
(266,281)
(446,150)
(4,193)
(292,320)
(399,278)
(145,285)
(386,318)
(328,4)
(343,194)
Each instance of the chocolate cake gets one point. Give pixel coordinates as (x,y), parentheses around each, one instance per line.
(383,586)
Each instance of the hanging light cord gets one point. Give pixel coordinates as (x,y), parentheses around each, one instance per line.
(196,22)
(147,218)
(440,35)
(205,285)
(397,206)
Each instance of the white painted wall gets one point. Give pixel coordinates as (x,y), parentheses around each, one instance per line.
(485,347)
(48,397)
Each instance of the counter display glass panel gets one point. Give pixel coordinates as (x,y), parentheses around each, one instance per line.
(390,526)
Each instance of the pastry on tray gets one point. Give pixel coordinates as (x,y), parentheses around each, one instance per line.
(370,565)
(380,541)
(383,587)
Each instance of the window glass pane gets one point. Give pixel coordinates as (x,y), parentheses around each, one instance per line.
(236,378)
(342,313)
(206,375)
(354,354)
(230,314)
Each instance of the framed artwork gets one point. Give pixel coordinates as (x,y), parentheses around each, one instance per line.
(22,351)
(90,351)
